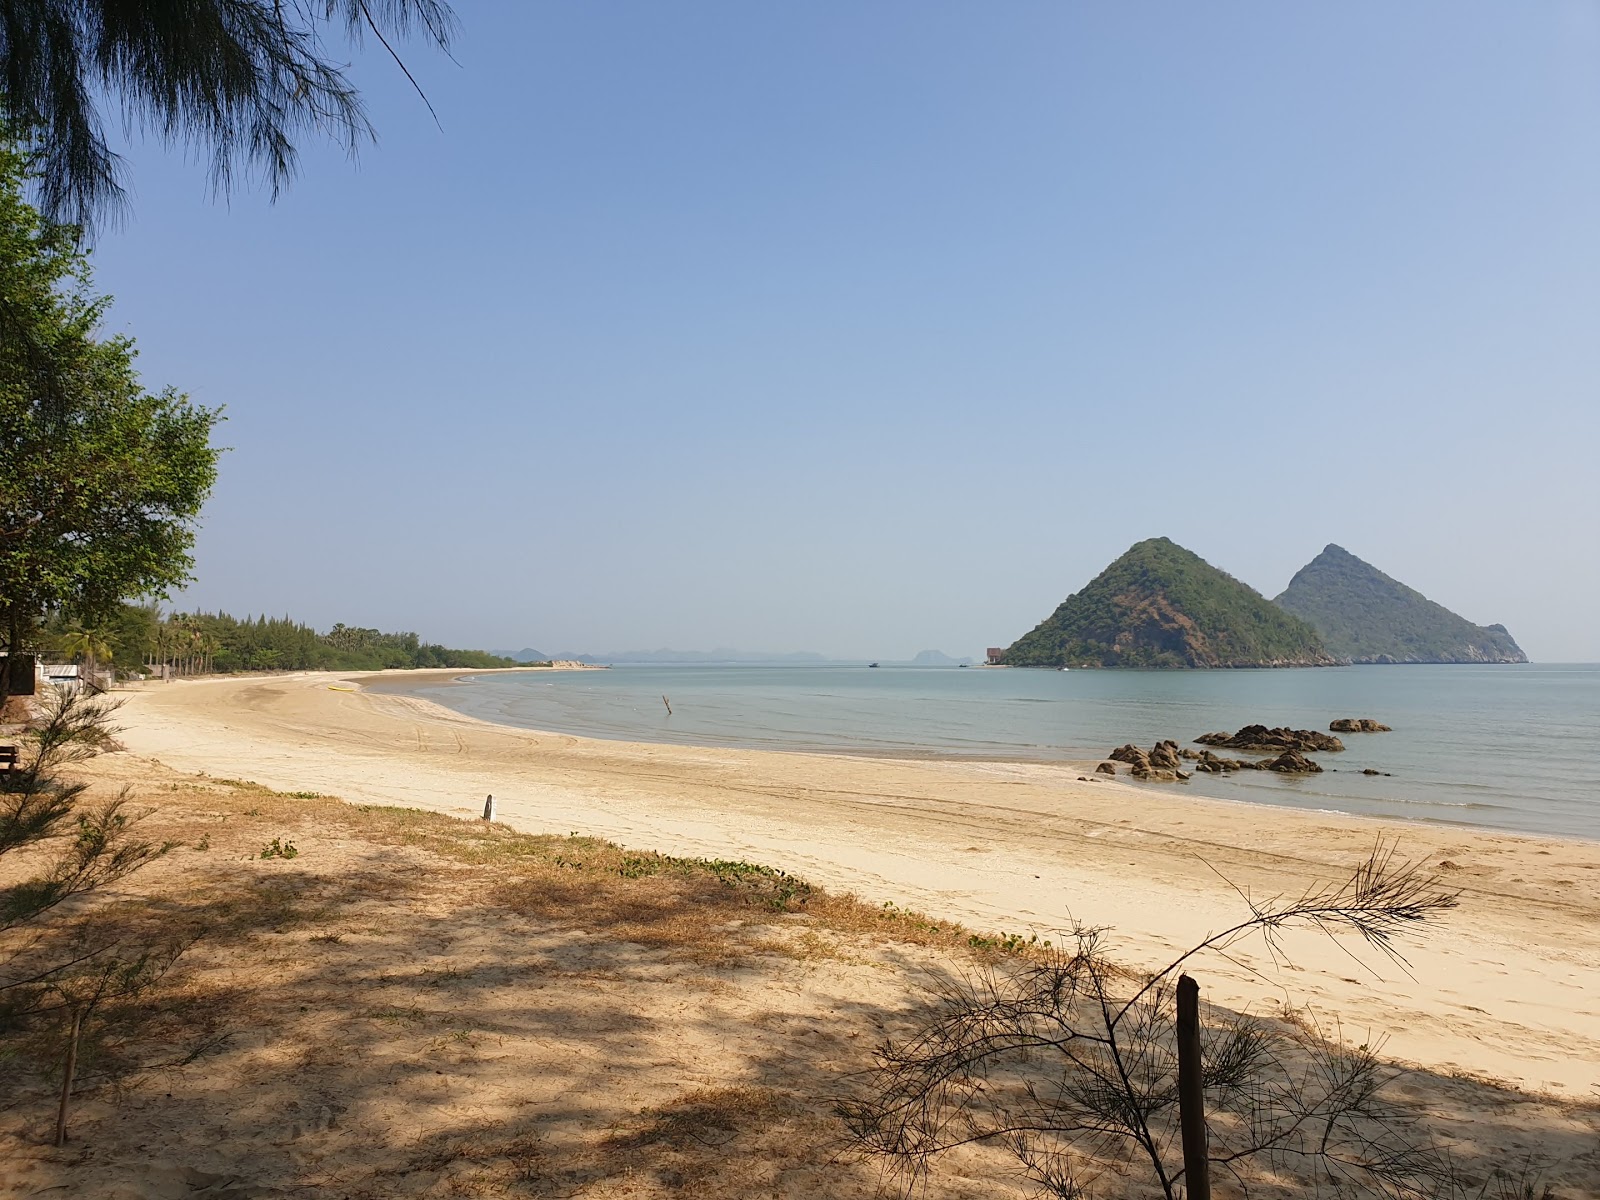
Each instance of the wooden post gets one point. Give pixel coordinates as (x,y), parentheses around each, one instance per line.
(668,703)
(1192,1093)
(488,808)
(66,1078)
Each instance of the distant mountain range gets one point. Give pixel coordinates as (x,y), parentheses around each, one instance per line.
(725,655)
(1160,605)
(1365,616)
(648,657)
(935,658)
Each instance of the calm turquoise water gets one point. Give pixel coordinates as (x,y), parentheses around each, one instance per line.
(1510,747)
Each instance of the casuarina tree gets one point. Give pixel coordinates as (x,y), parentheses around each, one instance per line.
(240,81)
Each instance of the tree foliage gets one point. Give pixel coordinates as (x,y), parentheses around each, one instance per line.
(1160,605)
(240,80)
(90,847)
(192,643)
(71,972)
(1070,1063)
(101,482)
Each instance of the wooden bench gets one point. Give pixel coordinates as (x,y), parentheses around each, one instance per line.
(8,759)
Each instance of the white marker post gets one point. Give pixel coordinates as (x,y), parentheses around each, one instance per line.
(488,808)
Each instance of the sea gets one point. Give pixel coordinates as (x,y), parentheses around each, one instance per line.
(1512,747)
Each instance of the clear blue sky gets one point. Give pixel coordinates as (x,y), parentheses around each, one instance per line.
(866,328)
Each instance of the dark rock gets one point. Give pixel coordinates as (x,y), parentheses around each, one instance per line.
(1211,764)
(1161,763)
(1154,774)
(1164,756)
(1292,762)
(1261,740)
(1358,725)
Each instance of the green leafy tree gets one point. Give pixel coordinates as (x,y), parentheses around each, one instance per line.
(240,80)
(101,482)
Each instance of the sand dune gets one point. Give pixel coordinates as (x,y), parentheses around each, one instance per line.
(1508,986)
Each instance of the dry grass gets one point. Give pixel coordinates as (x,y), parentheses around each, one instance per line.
(416,1005)
(694,907)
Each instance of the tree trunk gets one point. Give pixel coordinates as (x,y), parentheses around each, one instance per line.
(13,638)
(1191,1093)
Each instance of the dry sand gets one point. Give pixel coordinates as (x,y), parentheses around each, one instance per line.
(416,1006)
(1507,987)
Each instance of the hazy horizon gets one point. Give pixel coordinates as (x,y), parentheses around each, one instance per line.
(872,330)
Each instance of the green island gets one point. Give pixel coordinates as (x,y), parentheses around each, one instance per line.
(1162,606)
(1369,617)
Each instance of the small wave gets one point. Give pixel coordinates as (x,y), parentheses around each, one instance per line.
(1468,804)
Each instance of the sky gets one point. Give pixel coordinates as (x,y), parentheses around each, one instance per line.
(872,328)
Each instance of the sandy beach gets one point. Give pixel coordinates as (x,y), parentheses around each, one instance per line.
(1505,987)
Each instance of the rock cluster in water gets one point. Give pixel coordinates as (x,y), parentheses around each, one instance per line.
(1261,740)
(1164,762)
(1290,762)
(1161,763)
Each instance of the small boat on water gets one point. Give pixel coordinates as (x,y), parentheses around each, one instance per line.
(872,664)
(1063,668)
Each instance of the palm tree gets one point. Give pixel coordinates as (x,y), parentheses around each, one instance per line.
(239,79)
(87,646)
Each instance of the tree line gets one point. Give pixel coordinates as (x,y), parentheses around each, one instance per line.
(138,638)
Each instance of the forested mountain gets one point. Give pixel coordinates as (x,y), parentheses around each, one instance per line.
(138,636)
(1369,617)
(1160,605)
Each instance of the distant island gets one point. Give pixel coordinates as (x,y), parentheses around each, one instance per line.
(1160,605)
(937,658)
(652,657)
(725,656)
(1366,616)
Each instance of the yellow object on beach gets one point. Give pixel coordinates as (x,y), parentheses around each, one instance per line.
(334,687)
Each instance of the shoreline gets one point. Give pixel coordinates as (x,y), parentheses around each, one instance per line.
(1203,789)
(1498,988)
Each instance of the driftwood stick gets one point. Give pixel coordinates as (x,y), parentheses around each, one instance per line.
(668,703)
(1191,1093)
(66,1076)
